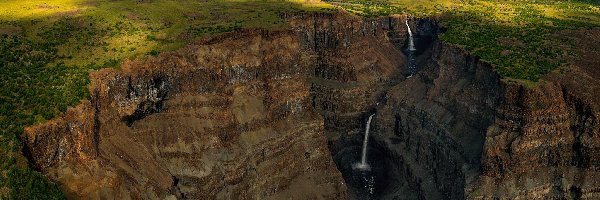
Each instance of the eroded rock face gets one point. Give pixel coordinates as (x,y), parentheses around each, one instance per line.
(433,125)
(264,114)
(457,131)
(545,140)
(229,118)
(543,144)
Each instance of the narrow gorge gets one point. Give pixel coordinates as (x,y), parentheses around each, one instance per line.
(280,114)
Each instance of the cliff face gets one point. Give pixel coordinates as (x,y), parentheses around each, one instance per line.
(265,114)
(544,142)
(455,130)
(229,118)
(433,125)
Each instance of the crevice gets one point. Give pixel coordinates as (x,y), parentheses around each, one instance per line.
(583,120)
(156,95)
(575,192)
(96,131)
(422,160)
(177,190)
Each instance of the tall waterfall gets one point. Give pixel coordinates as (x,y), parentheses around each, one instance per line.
(412,68)
(411,45)
(363,165)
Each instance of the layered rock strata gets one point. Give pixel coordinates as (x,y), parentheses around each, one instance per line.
(545,140)
(231,117)
(260,114)
(457,130)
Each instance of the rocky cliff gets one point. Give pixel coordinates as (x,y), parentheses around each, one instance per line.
(239,116)
(544,141)
(457,130)
(229,118)
(434,123)
(262,114)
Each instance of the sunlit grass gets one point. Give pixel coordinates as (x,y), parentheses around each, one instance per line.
(314,4)
(169,20)
(13,10)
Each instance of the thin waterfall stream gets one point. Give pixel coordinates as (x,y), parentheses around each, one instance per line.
(411,44)
(412,68)
(363,165)
(362,154)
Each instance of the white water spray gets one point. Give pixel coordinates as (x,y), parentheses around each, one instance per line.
(363,165)
(411,45)
(412,68)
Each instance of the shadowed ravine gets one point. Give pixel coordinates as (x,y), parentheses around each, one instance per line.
(259,114)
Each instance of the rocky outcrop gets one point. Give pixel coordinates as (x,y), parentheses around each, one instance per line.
(544,142)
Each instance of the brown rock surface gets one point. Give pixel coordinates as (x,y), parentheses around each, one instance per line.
(545,141)
(232,117)
(260,114)
(229,119)
(432,125)
(457,127)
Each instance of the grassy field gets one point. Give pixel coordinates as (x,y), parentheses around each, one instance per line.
(48,47)
(516,36)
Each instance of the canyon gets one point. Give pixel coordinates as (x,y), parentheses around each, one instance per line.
(279,114)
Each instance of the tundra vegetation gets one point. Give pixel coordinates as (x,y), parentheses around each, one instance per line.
(48,48)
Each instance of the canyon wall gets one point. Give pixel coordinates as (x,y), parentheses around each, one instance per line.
(456,130)
(260,114)
(543,144)
(545,140)
(228,118)
(432,125)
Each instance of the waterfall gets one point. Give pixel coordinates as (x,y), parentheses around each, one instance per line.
(412,68)
(411,45)
(363,165)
